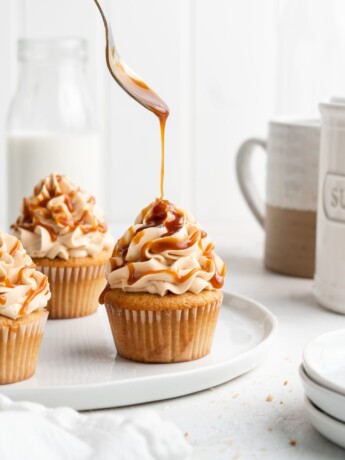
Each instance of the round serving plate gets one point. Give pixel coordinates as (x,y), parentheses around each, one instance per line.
(78,365)
(332,429)
(324,360)
(328,401)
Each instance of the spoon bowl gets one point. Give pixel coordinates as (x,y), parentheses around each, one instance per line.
(125,77)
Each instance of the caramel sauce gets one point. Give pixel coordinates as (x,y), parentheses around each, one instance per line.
(32,294)
(208,251)
(102,228)
(164,213)
(217,280)
(2,300)
(158,217)
(162,123)
(138,236)
(15,248)
(68,203)
(6,282)
(133,278)
(21,272)
(169,244)
(142,93)
(38,208)
(31,228)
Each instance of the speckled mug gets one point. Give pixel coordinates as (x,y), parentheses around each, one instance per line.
(289,215)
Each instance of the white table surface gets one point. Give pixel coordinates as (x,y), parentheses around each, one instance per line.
(235,420)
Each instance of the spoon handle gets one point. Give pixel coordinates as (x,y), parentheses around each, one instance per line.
(101,5)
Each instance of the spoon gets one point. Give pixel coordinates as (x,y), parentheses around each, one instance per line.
(125,77)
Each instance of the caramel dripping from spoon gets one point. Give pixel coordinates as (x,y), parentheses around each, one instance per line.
(134,86)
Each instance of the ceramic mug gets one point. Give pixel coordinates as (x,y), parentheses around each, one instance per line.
(289,214)
(329,284)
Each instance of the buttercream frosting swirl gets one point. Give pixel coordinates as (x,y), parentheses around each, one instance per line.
(23,289)
(61,220)
(165,250)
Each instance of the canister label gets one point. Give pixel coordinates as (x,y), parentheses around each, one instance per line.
(334,197)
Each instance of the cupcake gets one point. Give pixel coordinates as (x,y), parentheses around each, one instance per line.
(163,295)
(66,235)
(24,292)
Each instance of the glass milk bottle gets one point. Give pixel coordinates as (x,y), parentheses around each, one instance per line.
(51,126)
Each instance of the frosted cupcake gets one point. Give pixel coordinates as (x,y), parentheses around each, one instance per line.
(24,292)
(163,295)
(65,233)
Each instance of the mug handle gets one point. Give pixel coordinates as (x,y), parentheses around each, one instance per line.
(245,177)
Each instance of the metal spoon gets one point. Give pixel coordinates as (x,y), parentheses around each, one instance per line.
(125,77)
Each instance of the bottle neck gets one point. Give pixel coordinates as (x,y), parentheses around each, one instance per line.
(52,94)
(51,68)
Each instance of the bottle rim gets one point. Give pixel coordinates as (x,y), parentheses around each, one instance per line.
(36,49)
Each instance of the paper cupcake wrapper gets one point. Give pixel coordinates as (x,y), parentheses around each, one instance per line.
(163,336)
(19,349)
(75,290)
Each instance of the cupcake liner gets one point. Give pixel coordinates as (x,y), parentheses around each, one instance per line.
(19,349)
(163,336)
(75,290)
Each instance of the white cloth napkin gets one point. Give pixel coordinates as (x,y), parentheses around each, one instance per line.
(32,431)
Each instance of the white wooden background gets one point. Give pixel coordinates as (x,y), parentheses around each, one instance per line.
(225,67)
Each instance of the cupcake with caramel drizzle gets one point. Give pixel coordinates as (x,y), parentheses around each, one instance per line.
(24,293)
(65,233)
(163,295)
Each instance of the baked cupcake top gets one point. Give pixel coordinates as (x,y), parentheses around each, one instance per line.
(22,288)
(165,250)
(61,220)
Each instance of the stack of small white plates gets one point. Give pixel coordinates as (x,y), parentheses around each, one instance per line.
(323,377)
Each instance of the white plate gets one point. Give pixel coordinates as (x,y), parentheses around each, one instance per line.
(331,428)
(78,366)
(324,360)
(329,401)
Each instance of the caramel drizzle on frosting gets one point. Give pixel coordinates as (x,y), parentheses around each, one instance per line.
(32,294)
(160,216)
(4,281)
(157,218)
(15,248)
(36,210)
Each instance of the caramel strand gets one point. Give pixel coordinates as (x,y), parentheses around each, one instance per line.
(32,294)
